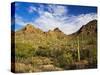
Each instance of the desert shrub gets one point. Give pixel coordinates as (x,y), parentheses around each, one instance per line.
(42,52)
(25,53)
(46,61)
(93,56)
(21,54)
(41,61)
(20,68)
(50,68)
(74,55)
(25,50)
(84,54)
(65,59)
(90,41)
(32,64)
(36,61)
(89,54)
(53,52)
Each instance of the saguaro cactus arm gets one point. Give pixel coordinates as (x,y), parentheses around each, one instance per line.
(78,48)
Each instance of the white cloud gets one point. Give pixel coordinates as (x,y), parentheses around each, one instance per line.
(19,20)
(31,9)
(57,10)
(57,17)
(47,21)
(76,22)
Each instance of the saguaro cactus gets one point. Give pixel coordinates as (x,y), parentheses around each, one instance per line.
(78,48)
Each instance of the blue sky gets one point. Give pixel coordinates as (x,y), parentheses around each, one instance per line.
(68,18)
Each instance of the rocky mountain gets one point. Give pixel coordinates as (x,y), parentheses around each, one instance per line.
(88,29)
(31,29)
(57,30)
(31,32)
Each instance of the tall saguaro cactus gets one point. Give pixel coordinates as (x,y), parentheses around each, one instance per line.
(78,48)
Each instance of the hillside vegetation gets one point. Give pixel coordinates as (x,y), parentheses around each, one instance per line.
(37,51)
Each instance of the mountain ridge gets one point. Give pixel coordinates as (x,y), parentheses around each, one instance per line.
(29,28)
(90,27)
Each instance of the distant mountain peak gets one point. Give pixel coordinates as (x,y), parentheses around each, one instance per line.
(89,28)
(57,30)
(28,28)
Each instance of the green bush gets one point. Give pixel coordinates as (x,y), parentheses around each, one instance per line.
(65,59)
